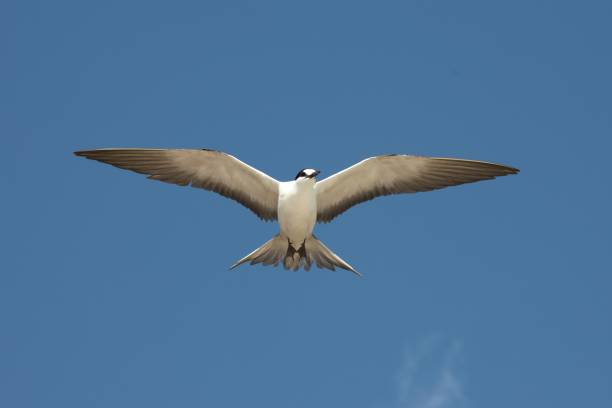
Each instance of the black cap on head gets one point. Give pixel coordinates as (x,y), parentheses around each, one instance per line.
(307,173)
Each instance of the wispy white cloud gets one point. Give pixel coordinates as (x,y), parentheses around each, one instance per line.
(429,377)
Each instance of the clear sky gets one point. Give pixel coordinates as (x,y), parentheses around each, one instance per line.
(114,290)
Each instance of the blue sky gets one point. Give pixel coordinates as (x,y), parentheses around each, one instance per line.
(115,291)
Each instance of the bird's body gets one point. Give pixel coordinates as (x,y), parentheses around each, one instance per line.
(299,204)
(297,210)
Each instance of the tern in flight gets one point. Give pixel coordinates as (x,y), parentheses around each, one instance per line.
(298,204)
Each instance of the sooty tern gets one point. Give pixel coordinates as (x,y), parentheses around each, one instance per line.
(297,205)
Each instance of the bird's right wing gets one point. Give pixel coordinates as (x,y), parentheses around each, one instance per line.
(395,174)
(208,169)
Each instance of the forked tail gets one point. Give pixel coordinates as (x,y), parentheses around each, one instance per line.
(278,250)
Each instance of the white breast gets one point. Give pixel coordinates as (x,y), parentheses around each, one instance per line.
(297,210)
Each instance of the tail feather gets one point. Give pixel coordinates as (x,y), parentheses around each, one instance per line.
(272,252)
(278,250)
(325,257)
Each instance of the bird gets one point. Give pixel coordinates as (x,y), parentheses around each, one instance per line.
(297,205)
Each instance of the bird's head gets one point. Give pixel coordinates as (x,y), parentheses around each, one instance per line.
(306,174)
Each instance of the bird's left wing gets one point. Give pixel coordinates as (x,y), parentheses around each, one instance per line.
(395,174)
(208,169)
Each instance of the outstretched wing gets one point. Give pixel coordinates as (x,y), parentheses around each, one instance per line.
(395,174)
(208,169)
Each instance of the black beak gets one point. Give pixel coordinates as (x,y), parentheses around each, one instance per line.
(316,173)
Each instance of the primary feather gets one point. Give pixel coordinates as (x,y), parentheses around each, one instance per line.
(208,169)
(395,174)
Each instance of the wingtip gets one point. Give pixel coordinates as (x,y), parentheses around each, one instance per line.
(510,169)
(84,153)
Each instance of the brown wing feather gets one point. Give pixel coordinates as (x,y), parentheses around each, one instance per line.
(396,174)
(208,169)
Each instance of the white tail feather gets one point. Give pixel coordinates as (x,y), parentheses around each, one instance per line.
(312,251)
